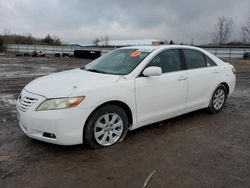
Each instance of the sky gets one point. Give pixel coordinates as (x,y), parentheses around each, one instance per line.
(81,21)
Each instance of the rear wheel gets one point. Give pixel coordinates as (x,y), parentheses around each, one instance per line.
(105,127)
(218,99)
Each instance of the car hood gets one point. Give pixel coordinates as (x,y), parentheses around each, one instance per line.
(67,83)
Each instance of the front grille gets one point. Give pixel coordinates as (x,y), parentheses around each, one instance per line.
(25,103)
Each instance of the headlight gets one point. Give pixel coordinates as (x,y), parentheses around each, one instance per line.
(60,103)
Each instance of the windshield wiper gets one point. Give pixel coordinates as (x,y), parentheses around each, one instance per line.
(97,71)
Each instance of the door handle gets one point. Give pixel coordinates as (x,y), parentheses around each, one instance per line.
(181,78)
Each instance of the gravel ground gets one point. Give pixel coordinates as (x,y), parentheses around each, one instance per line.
(194,150)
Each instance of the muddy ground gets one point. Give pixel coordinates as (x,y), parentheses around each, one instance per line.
(194,150)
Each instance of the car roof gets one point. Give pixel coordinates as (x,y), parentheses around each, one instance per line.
(154,47)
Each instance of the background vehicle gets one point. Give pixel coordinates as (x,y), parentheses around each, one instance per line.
(246,55)
(123,90)
(38,54)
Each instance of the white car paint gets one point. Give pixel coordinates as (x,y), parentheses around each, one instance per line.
(160,97)
(150,99)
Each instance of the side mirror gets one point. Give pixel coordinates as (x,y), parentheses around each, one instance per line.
(152,71)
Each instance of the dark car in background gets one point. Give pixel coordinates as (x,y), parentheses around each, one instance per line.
(246,55)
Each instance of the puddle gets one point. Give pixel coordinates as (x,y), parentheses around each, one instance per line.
(241,93)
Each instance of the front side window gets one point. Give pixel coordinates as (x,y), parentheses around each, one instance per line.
(168,61)
(119,62)
(194,59)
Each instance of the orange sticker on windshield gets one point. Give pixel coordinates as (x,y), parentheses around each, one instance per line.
(135,54)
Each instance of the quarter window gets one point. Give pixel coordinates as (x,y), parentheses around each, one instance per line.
(168,61)
(209,61)
(194,59)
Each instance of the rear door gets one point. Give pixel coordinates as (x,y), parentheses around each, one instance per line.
(203,77)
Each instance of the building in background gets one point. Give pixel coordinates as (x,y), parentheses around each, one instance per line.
(130,42)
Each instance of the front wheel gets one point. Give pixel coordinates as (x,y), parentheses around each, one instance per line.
(105,127)
(218,99)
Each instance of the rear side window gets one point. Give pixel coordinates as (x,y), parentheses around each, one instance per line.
(194,59)
(168,61)
(209,61)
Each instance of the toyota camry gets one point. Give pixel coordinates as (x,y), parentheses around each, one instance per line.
(123,90)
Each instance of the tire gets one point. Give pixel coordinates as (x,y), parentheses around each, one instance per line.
(105,126)
(218,99)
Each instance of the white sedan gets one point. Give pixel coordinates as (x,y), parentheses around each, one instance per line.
(123,90)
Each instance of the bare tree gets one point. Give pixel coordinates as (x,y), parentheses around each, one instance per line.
(27,38)
(165,41)
(48,40)
(6,31)
(96,41)
(101,40)
(192,42)
(245,32)
(57,41)
(223,30)
(2,46)
(106,40)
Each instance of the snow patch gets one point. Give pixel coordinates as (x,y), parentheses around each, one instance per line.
(8,98)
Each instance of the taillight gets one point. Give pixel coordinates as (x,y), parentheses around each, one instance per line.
(234,70)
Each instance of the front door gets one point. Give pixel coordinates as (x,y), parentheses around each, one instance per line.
(164,96)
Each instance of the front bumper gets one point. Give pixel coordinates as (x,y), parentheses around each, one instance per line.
(66,124)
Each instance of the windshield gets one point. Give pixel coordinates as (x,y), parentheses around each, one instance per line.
(120,61)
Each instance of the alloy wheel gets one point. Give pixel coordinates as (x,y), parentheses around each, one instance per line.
(108,129)
(219,99)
